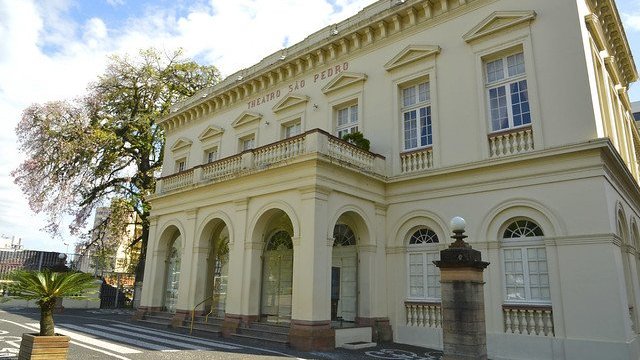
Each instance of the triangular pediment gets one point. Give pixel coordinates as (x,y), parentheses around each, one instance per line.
(410,54)
(181,144)
(210,132)
(345,79)
(246,118)
(498,21)
(290,101)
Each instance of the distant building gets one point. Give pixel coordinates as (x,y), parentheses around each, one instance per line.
(635,108)
(10,243)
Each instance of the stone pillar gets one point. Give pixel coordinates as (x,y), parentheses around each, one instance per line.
(186,300)
(150,300)
(234,304)
(311,313)
(463,324)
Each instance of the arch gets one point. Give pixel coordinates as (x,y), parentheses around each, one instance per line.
(356,219)
(495,220)
(212,224)
(167,234)
(635,235)
(410,222)
(621,223)
(258,222)
(520,227)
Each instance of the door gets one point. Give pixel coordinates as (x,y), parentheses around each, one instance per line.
(173,277)
(277,279)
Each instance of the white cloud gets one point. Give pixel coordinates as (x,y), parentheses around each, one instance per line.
(631,21)
(45,55)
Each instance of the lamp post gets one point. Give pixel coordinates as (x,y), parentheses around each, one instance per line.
(463,322)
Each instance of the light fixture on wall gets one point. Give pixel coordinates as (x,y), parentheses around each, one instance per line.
(266,123)
(315,106)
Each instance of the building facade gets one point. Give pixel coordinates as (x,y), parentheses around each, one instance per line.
(513,114)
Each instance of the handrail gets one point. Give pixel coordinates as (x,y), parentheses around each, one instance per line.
(193,313)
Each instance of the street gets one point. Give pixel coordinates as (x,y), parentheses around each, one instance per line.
(110,334)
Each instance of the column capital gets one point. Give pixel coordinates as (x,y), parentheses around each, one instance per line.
(241,204)
(315,191)
(367,248)
(296,241)
(381,209)
(191,213)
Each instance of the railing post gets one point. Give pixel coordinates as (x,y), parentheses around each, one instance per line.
(197,175)
(247,160)
(158,186)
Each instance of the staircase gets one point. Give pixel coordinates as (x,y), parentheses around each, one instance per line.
(274,333)
(157,318)
(211,328)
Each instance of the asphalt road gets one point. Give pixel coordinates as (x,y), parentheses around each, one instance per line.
(111,334)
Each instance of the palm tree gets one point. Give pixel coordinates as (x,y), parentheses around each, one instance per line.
(46,287)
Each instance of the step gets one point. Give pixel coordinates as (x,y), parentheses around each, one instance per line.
(201,320)
(268,337)
(206,330)
(273,328)
(160,314)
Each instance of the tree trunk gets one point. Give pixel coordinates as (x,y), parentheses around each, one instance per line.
(46,317)
(143,251)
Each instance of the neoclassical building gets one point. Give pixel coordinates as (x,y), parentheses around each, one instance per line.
(513,114)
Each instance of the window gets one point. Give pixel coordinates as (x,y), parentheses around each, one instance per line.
(423,275)
(416,116)
(181,165)
(636,116)
(347,120)
(507,92)
(212,155)
(247,143)
(292,129)
(525,263)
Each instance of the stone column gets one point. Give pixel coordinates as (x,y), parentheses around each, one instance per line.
(463,324)
(234,304)
(150,299)
(186,300)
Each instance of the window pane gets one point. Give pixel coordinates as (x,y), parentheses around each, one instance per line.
(425,126)
(498,108)
(424,93)
(416,275)
(409,96)
(495,71)
(538,276)
(520,103)
(433,275)
(343,117)
(410,130)
(514,274)
(354,114)
(515,64)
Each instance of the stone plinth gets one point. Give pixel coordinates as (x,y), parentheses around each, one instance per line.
(463,323)
(311,335)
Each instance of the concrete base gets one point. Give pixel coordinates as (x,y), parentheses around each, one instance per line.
(178,319)
(353,335)
(311,335)
(381,328)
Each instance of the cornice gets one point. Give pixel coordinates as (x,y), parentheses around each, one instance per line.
(606,28)
(371,25)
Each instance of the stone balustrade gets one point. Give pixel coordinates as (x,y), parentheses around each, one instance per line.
(528,320)
(417,160)
(511,142)
(314,142)
(423,314)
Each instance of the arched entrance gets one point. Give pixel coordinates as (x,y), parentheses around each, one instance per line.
(213,267)
(344,274)
(172,274)
(277,278)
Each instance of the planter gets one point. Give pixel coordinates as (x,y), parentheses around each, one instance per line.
(37,347)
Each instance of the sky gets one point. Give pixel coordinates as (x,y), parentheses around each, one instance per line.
(51,50)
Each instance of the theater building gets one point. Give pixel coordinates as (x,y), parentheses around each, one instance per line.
(513,114)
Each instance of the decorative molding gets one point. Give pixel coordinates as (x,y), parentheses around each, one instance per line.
(180,144)
(290,101)
(246,118)
(498,21)
(367,248)
(210,132)
(253,246)
(345,79)
(577,240)
(411,54)
(395,249)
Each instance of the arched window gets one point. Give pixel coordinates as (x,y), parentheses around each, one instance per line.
(525,262)
(343,235)
(423,276)
(280,241)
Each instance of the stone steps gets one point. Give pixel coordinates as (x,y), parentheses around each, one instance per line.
(264,332)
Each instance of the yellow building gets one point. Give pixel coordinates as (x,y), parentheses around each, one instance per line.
(513,114)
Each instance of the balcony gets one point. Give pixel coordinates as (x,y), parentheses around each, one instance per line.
(312,143)
(423,314)
(511,142)
(528,319)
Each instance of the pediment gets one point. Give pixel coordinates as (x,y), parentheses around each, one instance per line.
(498,21)
(246,118)
(345,79)
(181,144)
(410,54)
(210,132)
(290,101)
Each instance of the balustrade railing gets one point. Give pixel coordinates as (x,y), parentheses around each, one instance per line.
(222,168)
(313,141)
(178,180)
(528,320)
(349,153)
(279,151)
(511,142)
(423,314)
(417,160)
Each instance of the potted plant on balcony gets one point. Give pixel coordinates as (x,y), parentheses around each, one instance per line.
(48,287)
(356,138)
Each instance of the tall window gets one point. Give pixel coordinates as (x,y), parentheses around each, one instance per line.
(292,129)
(507,91)
(424,276)
(525,263)
(181,165)
(347,120)
(212,155)
(416,116)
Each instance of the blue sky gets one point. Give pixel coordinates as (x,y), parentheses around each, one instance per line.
(51,49)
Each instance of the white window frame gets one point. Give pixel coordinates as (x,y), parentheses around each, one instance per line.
(181,165)
(207,156)
(429,252)
(523,244)
(242,142)
(505,82)
(286,133)
(416,107)
(353,122)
